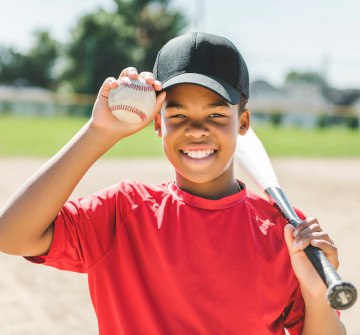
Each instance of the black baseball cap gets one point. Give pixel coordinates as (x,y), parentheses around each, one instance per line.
(204,59)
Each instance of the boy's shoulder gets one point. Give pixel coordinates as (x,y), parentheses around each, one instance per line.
(142,188)
(133,189)
(259,201)
(263,205)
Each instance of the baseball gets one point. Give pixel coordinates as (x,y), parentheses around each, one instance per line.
(132,101)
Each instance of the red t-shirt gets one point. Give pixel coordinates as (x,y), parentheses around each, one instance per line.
(162,261)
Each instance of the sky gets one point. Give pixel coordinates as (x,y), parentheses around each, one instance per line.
(274,37)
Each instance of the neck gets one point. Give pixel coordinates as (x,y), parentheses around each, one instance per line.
(211,190)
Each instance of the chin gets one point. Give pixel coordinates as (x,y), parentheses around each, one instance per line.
(196,177)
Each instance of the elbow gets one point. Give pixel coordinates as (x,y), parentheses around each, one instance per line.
(7,246)
(17,246)
(2,239)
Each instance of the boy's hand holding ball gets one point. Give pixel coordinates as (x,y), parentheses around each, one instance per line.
(132,101)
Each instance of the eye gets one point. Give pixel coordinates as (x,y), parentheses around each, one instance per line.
(178,116)
(216,115)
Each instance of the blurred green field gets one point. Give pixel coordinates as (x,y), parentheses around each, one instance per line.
(44,136)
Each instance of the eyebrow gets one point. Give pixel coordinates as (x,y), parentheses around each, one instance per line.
(214,104)
(219,103)
(173,103)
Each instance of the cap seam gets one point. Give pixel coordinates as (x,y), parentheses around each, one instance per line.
(238,69)
(194,53)
(157,62)
(238,64)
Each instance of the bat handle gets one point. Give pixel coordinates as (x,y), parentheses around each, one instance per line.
(341,294)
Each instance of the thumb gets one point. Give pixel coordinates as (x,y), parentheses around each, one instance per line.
(289,238)
(159,101)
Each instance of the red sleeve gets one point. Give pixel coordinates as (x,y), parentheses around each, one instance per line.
(300,214)
(85,230)
(294,313)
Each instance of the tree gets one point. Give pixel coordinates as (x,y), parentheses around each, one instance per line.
(304,77)
(103,43)
(11,63)
(35,67)
(42,59)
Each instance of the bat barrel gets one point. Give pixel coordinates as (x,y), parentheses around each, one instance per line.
(341,294)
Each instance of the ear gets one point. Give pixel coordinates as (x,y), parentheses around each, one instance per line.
(244,121)
(157,124)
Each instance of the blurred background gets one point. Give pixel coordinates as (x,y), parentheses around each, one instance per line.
(303,59)
(304,64)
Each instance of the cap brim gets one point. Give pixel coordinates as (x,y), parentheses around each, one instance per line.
(219,86)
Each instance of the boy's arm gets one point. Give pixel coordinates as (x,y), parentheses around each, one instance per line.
(26,220)
(320,318)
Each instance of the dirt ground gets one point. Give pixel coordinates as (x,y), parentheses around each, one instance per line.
(44,301)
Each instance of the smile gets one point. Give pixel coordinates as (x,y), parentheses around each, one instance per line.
(198,154)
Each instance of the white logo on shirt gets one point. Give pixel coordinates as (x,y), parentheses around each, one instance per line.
(266,224)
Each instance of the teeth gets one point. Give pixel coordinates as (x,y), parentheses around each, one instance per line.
(198,154)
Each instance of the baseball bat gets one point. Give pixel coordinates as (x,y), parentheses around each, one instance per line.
(253,159)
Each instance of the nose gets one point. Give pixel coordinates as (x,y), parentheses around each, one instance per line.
(196,130)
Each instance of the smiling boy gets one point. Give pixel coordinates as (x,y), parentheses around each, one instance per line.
(183,257)
(199,139)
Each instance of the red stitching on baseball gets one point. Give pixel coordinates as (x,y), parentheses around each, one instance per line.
(130,109)
(147,88)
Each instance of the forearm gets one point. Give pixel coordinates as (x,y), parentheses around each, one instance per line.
(26,220)
(29,213)
(320,318)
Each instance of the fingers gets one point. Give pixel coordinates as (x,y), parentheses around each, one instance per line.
(329,249)
(150,79)
(129,72)
(319,240)
(289,238)
(107,86)
(147,77)
(307,231)
(159,101)
(324,245)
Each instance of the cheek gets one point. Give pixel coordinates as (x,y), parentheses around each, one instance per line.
(171,129)
(167,135)
(229,138)
(166,130)
(230,130)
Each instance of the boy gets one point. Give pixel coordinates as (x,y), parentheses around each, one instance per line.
(184,257)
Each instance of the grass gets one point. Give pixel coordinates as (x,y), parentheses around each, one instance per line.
(44,136)
(298,142)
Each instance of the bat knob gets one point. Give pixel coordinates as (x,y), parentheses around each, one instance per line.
(342,295)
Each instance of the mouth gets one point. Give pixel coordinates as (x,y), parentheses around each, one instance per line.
(198,154)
